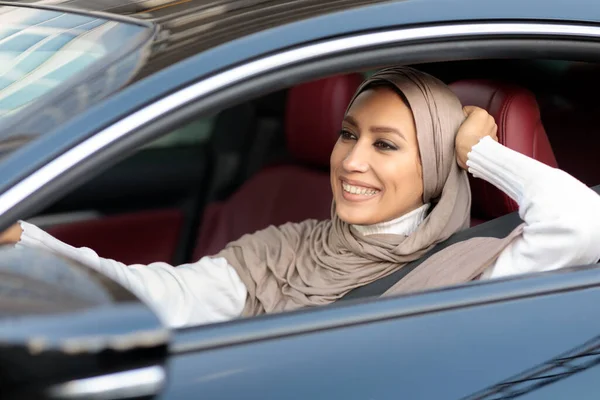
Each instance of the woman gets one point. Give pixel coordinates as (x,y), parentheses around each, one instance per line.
(398,175)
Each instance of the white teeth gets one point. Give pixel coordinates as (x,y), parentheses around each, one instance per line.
(359,190)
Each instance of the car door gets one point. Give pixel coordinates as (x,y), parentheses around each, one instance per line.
(527,338)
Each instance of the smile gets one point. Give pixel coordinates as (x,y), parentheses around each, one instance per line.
(359,190)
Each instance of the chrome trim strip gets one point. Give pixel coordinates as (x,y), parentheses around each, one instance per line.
(128,384)
(72,157)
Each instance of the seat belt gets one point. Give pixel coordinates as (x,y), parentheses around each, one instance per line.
(499,228)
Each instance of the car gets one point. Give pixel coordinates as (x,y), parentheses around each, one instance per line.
(158,131)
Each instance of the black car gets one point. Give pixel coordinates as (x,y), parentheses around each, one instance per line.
(201,118)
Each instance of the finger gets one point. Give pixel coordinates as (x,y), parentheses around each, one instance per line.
(490,122)
(490,125)
(468,110)
(494,134)
(482,117)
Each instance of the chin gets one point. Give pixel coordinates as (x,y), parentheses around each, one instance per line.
(354,217)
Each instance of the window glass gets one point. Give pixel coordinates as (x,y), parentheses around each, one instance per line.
(195,133)
(54,64)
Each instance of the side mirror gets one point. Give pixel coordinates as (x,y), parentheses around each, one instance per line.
(67,331)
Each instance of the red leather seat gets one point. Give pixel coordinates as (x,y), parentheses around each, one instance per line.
(520,128)
(571,117)
(291,192)
(301,190)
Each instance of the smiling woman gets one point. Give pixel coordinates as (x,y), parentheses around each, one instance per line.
(378,143)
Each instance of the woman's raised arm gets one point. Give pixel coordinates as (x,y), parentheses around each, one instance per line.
(561,214)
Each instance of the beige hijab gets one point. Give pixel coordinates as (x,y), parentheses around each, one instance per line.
(317,262)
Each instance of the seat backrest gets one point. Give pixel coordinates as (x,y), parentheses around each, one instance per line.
(570,116)
(520,128)
(294,191)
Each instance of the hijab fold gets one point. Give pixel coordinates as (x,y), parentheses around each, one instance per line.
(317,262)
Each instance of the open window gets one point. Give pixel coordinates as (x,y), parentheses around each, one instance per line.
(265,161)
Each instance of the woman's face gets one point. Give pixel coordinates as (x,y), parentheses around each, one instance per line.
(375,165)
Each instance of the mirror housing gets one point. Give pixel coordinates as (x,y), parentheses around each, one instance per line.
(67,331)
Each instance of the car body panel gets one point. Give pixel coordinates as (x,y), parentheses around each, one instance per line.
(447,352)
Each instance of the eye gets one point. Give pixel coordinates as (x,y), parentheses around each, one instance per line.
(381,145)
(347,135)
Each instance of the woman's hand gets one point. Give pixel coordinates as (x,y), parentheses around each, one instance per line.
(11,235)
(478,125)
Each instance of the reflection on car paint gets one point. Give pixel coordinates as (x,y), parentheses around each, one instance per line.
(563,366)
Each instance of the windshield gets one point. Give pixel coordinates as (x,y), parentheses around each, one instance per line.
(54,63)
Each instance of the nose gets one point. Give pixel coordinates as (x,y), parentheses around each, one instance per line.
(357,158)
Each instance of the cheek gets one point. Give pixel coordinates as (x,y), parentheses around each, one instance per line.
(418,173)
(337,155)
(406,176)
(334,161)
(419,168)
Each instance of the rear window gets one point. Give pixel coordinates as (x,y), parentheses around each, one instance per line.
(44,52)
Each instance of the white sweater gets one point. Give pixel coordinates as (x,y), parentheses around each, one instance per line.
(561,214)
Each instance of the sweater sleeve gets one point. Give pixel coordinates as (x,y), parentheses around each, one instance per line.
(561,214)
(208,290)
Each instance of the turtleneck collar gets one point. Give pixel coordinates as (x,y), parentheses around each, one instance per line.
(404,225)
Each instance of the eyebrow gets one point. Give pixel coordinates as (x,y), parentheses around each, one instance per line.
(387,129)
(375,129)
(351,120)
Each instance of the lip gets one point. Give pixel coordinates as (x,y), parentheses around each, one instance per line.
(359,183)
(357,198)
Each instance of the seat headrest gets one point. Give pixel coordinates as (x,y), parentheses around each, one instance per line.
(314,114)
(517,115)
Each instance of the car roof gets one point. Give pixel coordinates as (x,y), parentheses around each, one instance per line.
(189,27)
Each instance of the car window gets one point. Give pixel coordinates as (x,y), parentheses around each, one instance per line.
(54,64)
(195,133)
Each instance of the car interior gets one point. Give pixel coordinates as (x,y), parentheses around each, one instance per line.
(265,162)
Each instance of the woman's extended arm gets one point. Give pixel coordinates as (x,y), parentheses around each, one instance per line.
(208,290)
